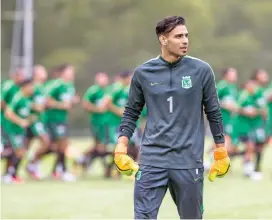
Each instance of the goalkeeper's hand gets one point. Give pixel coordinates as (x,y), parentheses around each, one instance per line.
(221,164)
(125,164)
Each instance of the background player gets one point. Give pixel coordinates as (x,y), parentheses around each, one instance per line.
(37,129)
(17,120)
(268,95)
(60,101)
(227,94)
(94,104)
(243,129)
(8,90)
(261,79)
(116,102)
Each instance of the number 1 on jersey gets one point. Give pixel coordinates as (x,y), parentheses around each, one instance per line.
(170,100)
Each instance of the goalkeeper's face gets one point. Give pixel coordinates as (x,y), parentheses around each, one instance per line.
(176,41)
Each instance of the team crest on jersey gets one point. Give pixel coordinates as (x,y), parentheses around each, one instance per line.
(186,82)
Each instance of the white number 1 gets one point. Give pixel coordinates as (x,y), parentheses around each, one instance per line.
(170,100)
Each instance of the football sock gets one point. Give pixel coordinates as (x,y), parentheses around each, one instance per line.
(16,162)
(258,161)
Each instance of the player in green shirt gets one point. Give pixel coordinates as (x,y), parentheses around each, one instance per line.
(17,115)
(227,94)
(261,78)
(60,100)
(116,102)
(46,88)
(118,98)
(8,89)
(37,128)
(268,96)
(94,104)
(243,124)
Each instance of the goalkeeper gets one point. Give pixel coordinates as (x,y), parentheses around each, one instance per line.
(174,87)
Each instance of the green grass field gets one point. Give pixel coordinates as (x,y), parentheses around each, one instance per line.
(92,197)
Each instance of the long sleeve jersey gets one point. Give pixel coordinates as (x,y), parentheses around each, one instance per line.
(175,95)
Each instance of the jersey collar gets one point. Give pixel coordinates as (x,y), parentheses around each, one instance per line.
(173,64)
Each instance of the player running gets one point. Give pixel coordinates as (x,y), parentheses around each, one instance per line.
(261,78)
(17,120)
(47,86)
(116,102)
(268,95)
(175,88)
(227,94)
(94,104)
(60,100)
(37,129)
(8,90)
(243,125)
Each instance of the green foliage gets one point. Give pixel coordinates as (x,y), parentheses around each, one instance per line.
(75,56)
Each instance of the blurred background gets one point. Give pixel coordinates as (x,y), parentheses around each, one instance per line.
(115,35)
(111,36)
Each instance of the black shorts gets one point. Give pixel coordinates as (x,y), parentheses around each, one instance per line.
(185,186)
(57,130)
(29,133)
(4,138)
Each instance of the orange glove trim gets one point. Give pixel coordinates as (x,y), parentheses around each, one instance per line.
(119,153)
(220,153)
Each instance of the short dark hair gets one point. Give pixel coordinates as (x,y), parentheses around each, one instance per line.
(255,73)
(26,81)
(62,67)
(57,70)
(125,74)
(168,24)
(227,70)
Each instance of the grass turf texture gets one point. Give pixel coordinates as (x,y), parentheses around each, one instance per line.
(93,197)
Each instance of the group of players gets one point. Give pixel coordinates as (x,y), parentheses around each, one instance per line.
(38,107)
(35,107)
(247,117)
(105,104)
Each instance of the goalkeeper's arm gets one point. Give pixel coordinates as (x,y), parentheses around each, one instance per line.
(221,162)
(130,116)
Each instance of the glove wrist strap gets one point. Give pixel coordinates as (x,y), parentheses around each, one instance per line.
(119,153)
(220,153)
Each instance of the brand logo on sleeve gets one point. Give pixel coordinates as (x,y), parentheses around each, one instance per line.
(186,82)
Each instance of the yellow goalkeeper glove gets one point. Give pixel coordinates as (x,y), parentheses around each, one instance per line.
(125,164)
(221,164)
